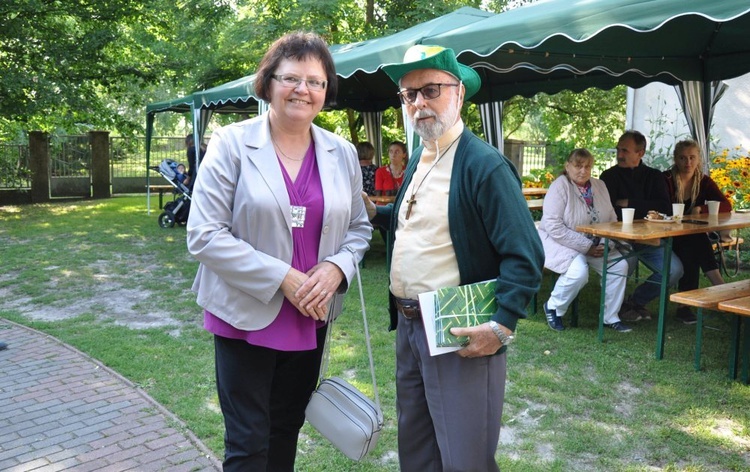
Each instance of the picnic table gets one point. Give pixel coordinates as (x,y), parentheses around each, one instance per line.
(534,203)
(650,232)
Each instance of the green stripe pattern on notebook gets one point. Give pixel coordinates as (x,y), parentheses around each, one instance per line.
(463,306)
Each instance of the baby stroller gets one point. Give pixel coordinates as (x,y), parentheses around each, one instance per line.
(176,211)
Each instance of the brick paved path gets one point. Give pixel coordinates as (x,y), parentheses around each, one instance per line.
(62,410)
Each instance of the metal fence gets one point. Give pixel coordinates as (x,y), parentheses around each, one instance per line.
(70,156)
(127,156)
(536,156)
(533,156)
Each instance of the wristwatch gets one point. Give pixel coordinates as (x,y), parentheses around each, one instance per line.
(504,338)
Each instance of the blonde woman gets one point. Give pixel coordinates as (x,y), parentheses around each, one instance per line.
(688,184)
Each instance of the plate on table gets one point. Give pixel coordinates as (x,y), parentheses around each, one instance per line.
(665,220)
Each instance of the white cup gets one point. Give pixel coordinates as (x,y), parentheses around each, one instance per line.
(677,210)
(627,216)
(713,207)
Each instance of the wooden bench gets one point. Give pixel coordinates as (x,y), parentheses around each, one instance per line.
(741,308)
(710,298)
(735,241)
(535,204)
(161,189)
(721,247)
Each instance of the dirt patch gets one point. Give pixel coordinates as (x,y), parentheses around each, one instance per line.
(108,297)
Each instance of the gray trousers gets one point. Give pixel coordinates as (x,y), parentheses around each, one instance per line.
(449,408)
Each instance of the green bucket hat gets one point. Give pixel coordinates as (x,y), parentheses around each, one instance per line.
(422,56)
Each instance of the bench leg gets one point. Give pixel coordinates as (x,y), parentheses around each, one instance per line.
(745,351)
(574,315)
(733,351)
(161,199)
(698,339)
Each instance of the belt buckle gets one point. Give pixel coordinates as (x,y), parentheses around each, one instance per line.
(409,312)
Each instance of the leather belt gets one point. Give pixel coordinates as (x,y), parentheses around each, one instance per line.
(408,307)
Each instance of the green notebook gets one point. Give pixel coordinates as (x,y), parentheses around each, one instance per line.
(463,306)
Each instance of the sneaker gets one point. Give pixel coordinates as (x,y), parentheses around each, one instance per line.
(554,321)
(619,327)
(686,315)
(643,311)
(629,312)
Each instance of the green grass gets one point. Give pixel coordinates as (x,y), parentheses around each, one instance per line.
(103,277)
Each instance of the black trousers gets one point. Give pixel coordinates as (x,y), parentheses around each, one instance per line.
(263,394)
(696,254)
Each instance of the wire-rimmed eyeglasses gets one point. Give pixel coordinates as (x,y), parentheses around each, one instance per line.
(292,81)
(429,92)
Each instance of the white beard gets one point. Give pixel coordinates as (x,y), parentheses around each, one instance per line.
(432,130)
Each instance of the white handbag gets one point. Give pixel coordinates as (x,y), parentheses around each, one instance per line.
(341,413)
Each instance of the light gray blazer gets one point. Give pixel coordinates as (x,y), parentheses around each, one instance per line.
(240,227)
(563,209)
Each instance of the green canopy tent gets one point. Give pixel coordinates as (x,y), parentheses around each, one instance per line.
(177,105)
(233,97)
(355,63)
(364,87)
(557,45)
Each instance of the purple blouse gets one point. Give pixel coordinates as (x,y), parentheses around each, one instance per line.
(290,331)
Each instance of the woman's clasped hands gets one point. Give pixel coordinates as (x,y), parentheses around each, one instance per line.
(311,292)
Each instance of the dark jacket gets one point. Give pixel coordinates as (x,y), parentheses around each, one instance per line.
(491,227)
(708,190)
(643,186)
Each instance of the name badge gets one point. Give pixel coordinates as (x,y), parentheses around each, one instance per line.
(298,216)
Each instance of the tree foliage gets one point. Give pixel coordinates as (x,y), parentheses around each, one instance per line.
(74,65)
(78,64)
(593,118)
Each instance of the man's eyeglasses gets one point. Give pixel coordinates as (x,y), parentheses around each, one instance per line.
(291,81)
(429,92)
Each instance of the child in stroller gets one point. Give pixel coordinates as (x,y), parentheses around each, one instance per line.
(176,211)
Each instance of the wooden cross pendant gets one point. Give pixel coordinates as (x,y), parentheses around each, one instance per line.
(411,201)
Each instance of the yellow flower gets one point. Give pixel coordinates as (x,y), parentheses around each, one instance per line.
(730,169)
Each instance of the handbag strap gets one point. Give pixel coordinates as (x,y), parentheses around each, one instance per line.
(327,348)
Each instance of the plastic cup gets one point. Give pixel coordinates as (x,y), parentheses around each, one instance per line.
(677,210)
(627,216)
(713,207)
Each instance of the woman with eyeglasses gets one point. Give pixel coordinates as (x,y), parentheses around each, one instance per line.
(573,199)
(278,225)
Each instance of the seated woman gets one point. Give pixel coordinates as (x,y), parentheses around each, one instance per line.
(388,179)
(366,153)
(689,185)
(573,199)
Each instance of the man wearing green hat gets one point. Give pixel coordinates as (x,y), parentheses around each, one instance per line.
(459,218)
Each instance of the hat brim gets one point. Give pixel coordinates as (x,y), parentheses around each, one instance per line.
(444,61)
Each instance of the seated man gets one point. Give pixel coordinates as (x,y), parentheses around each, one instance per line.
(633,184)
